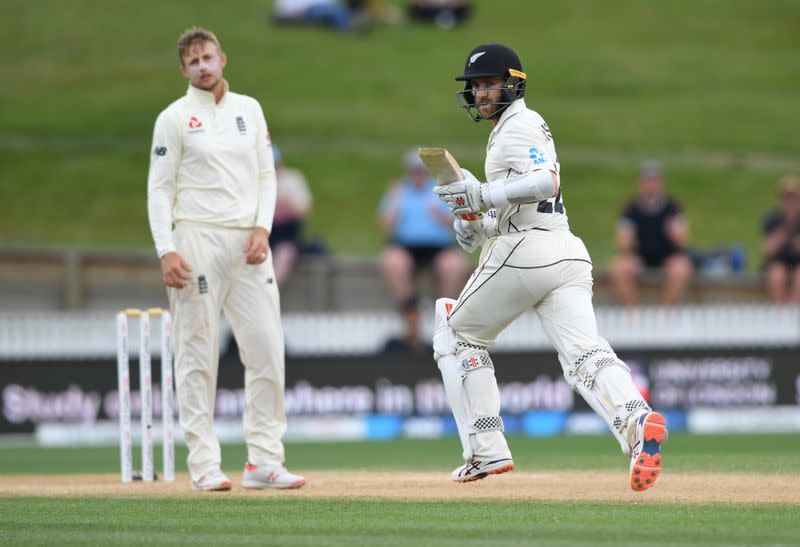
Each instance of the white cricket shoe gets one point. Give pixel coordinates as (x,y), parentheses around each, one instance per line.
(213,481)
(270,476)
(480,469)
(646,460)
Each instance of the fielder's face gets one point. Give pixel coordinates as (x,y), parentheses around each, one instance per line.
(202,65)
(487,93)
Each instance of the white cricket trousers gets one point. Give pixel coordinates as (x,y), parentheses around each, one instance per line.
(248,295)
(547,271)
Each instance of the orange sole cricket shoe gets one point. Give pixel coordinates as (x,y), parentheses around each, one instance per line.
(480,469)
(274,475)
(213,481)
(646,459)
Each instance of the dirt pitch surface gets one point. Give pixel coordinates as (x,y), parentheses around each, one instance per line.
(550,486)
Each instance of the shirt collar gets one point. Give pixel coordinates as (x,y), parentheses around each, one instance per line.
(206,97)
(513,108)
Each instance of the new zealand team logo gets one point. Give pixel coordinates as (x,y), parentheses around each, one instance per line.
(475,57)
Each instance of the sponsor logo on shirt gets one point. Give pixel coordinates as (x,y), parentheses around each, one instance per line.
(195,125)
(240,125)
(160,151)
(537,157)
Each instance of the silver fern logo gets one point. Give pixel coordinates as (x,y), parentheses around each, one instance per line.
(474,58)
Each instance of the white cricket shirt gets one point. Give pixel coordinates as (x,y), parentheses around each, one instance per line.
(521,142)
(210,163)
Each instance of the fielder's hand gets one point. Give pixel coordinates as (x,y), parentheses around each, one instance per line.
(257,247)
(463,196)
(174,270)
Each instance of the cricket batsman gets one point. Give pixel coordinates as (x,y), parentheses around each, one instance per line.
(530,260)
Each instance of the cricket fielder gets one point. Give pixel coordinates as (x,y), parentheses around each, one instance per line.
(211,199)
(530,259)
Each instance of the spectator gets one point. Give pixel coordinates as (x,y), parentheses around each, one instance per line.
(418,226)
(652,234)
(292,208)
(331,13)
(444,13)
(781,244)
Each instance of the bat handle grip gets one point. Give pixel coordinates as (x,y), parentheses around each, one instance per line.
(474,219)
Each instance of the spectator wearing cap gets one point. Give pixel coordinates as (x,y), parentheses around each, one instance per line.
(652,234)
(418,228)
(292,208)
(781,244)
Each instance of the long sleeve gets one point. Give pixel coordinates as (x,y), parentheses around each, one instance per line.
(164,161)
(528,148)
(267,181)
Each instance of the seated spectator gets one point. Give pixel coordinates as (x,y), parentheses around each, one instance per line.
(292,207)
(419,228)
(444,13)
(331,13)
(781,245)
(653,234)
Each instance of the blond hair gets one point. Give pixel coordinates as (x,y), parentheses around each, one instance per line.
(192,36)
(788,184)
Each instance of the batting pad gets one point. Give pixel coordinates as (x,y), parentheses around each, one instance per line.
(614,397)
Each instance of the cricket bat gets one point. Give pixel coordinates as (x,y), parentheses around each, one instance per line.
(444,168)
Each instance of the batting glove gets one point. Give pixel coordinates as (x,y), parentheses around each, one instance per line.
(463,196)
(468,238)
(490,227)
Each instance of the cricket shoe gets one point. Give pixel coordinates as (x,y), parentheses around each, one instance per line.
(213,481)
(270,476)
(646,459)
(480,469)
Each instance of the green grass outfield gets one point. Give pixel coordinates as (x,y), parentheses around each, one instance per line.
(389,523)
(686,453)
(279,520)
(708,87)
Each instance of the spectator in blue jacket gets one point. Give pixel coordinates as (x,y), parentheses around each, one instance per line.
(420,235)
